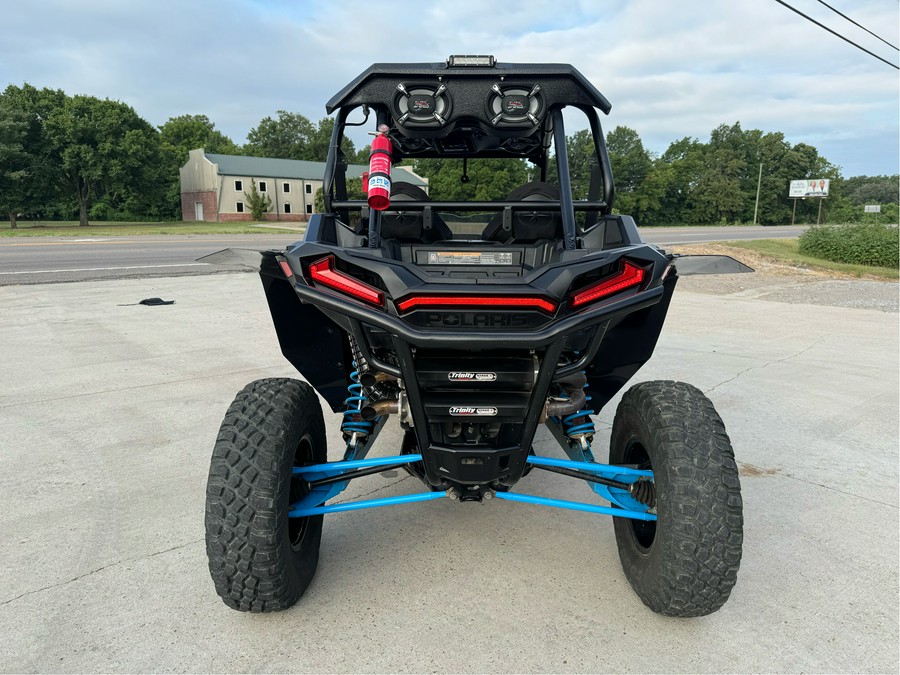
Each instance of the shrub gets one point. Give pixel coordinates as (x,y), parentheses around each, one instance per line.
(258,202)
(863,244)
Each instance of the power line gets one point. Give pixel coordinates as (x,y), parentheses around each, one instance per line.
(860,25)
(809,18)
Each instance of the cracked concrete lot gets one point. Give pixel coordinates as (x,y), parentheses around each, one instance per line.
(107,419)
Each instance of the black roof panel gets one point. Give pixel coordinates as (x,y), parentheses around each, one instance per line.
(351,94)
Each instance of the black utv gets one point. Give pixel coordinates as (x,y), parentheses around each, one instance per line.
(469,323)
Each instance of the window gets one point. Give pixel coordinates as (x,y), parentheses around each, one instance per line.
(262,186)
(238,186)
(287,206)
(286,188)
(240,207)
(308,189)
(309,208)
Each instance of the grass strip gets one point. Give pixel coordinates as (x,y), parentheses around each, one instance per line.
(125,229)
(787,251)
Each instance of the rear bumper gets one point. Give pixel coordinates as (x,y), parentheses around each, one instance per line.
(539,337)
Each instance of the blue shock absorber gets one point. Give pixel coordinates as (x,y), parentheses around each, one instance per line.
(354,403)
(574,430)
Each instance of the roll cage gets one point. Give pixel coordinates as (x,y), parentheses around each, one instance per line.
(470,126)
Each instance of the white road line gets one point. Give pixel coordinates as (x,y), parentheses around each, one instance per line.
(103,269)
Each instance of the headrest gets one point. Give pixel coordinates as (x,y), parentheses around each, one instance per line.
(407,226)
(528,226)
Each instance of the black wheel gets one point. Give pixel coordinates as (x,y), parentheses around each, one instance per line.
(686,563)
(261,560)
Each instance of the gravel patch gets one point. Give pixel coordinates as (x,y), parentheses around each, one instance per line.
(783,283)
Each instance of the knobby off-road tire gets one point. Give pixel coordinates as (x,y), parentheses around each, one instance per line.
(259,559)
(686,563)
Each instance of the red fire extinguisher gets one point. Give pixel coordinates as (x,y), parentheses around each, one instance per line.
(379,186)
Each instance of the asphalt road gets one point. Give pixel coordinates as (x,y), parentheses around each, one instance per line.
(108,415)
(60,259)
(55,259)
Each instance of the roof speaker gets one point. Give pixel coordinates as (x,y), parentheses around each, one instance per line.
(421,105)
(515,106)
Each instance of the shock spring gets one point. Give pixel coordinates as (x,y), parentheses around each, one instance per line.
(353,423)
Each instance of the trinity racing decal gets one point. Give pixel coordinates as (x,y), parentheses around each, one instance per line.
(472,411)
(457,376)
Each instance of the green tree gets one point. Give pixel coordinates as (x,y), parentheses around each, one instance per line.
(14,161)
(630,161)
(862,190)
(848,196)
(258,202)
(362,156)
(320,140)
(188,132)
(286,137)
(294,136)
(648,203)
(630,164)
(580,150)
(31,183)
(489,179)
(319,201)
(676,172)
(771,151)
(717,195)
(104,150)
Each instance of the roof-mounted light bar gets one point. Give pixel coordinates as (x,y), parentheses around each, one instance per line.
(471,61)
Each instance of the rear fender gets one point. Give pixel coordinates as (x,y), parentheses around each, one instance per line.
(627,345)
(309,340)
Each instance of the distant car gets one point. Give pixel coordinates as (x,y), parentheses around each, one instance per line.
(470,323)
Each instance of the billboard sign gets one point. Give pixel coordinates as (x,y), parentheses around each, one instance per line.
(809,187)
(873,208)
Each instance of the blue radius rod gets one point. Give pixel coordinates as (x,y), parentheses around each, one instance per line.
(366,504)
(605,470)
(309,506)
(574,506)
(336,468)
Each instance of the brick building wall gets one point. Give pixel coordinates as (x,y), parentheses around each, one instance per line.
(210,201)
(279,217)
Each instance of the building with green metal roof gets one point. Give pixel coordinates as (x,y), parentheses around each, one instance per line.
(213,186)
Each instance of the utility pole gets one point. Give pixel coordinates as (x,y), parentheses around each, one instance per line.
(758,184)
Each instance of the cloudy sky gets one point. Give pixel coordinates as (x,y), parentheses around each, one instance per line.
(672,68)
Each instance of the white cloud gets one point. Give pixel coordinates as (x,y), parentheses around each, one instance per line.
(671,69)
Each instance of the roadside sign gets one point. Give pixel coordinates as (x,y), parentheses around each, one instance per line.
(809,187)
(876,208)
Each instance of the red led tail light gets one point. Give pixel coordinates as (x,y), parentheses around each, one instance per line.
(628,276)
(323,272)
(487,301)
(286,268)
